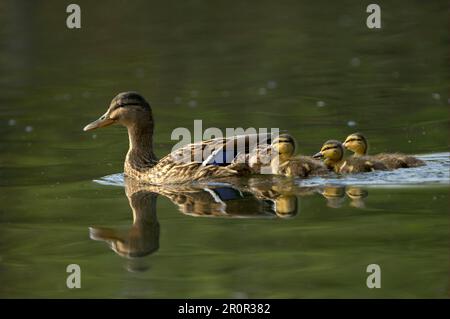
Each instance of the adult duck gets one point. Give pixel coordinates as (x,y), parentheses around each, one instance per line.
(186,164)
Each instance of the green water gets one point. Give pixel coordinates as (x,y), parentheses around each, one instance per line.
(313,69)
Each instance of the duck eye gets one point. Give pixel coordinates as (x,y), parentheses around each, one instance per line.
(124,104)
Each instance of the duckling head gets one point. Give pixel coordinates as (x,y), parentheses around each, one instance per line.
(357,143)
(284,146)
(129,109)
(332,152)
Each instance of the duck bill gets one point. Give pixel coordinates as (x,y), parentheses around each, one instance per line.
(318,155)
(103,121)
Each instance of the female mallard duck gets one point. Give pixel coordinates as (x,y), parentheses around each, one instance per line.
(333,152)
(186,164)
(293,166)
(357,143)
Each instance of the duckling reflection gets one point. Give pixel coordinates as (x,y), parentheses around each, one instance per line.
(357,196)
(220,200)
(335,195)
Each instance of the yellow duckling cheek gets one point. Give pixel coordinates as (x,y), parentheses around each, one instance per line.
(334,155)
(349,145)
(352,146)
(328,154)
(357,147)
(285,148)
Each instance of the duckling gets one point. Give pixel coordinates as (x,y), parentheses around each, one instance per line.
(357,143)
(183,165)
(293,166)
(333,152)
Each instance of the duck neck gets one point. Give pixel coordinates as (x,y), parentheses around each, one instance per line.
(331,164)
(140,154)
(360,152)
(277,161)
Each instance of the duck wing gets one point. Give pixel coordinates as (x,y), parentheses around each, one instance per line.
(236,149)
(207,159)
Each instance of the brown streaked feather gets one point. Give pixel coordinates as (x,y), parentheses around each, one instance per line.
(398,160)
(183,166)
(358,165)
(302,166)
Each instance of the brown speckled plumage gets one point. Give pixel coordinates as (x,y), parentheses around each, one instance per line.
(302,166)
(183,165)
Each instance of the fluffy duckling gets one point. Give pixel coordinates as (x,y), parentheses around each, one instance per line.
(332,152)
(286,164)
(357,143)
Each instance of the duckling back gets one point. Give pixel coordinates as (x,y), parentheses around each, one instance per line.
(302,166)
(359,164)
(358,144)
(397,160)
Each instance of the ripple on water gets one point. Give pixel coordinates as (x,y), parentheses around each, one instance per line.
(436,171)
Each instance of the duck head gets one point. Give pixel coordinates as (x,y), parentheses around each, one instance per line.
(129,109)
(356,143)
(332,152)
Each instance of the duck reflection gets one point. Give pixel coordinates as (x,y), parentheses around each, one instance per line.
(142,238)
(221,200)
(253,198)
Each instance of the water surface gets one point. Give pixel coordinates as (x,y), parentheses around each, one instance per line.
(313,69)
